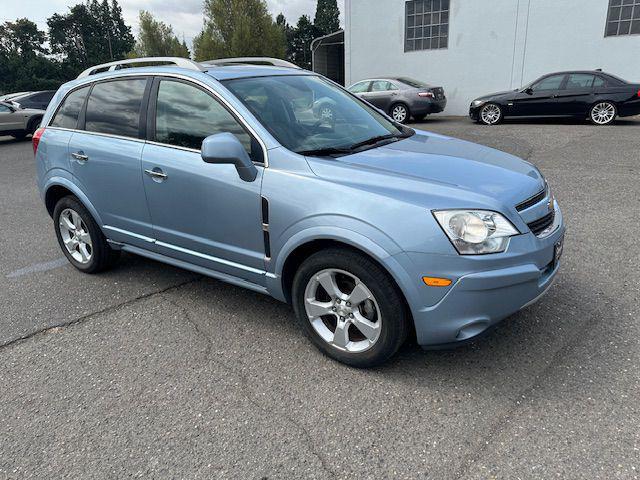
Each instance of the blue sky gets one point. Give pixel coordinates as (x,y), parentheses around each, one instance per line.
(184,15)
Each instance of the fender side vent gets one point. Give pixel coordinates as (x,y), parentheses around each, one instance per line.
(265,228)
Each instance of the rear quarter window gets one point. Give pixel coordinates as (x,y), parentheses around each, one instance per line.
(69,111)
(114,107)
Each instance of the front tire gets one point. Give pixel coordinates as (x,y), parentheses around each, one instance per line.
(80,238)
(491,114)
(400,113)
(349,307)
(603,113)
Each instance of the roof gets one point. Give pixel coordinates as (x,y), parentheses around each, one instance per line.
(230,72)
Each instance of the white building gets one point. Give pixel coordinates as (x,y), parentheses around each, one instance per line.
(477,47)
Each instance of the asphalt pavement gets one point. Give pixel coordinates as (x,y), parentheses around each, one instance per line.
(151,371)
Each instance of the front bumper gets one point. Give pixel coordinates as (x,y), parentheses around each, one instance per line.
(485,290)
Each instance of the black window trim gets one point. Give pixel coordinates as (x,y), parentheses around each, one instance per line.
(152,110)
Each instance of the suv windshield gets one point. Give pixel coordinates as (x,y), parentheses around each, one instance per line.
(311,116)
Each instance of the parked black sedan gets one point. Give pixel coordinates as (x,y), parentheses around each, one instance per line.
(598,96)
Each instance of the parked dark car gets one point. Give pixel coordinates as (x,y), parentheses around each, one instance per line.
(598,96)
(401,97)
(34,100)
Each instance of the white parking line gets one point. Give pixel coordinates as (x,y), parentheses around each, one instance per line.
(39,267)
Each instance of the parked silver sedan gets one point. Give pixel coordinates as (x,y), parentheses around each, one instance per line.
(18,122)
(401,97)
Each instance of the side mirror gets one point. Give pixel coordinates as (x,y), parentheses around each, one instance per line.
(529,91)
(226,148)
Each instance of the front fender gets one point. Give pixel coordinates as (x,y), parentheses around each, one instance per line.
(387,256)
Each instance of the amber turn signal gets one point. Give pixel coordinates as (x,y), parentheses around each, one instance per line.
(436,282)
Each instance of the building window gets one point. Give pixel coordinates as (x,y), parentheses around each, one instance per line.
(427,24)
(623,18)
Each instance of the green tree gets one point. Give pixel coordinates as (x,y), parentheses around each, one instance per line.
(156,39)
(300,42)
(237,28)
(91,33)
(327,18)
(23,64)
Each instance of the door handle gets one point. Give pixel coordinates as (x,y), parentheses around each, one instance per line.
(80,157)
(156,174)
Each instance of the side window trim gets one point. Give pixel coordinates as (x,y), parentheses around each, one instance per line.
(80,124)
(152,114)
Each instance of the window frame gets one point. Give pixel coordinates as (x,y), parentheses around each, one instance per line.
(145,105)
(562,86)
(82,118)
(429,25)
(635,7)
(367,90)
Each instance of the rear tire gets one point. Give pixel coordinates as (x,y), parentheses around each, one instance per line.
(603,113)
(359,318)
(80,237)
(34,124)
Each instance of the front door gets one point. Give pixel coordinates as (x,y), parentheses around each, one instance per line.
(202,213)
(105,157)
(381,94)
(541,99)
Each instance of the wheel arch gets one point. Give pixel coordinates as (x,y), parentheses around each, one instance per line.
(57,188)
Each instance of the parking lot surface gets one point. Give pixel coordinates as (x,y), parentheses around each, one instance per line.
(150,371)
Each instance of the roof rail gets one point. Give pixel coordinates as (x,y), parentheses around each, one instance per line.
(268,61)
(118,64)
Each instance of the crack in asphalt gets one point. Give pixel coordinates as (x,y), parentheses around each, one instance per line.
(245,389)
(88,316)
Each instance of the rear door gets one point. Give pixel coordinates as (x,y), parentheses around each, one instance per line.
(202,213)
(541,99)
(105,155)
(576,97)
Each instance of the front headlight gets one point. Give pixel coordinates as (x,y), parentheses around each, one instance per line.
(476,232)
(477,103)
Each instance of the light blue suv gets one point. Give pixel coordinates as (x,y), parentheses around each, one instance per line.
(371,230)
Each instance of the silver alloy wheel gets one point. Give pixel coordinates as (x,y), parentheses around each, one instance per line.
(603,113)
(490,114)
(399,113)
(350,321)
(75,236)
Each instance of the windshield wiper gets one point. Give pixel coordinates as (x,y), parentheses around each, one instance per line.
(377,139)
(326,152)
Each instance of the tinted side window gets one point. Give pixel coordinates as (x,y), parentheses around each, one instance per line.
(114,107)
(360,87)
(4,109)
(186,115)
(381,86)
(579,80)
(549,83)
(599,82)
(67,115)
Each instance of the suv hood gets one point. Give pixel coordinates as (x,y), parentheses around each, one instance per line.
(447,162)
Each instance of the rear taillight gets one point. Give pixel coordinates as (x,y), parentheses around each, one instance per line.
(35,140)
(638,93)
(426,94)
